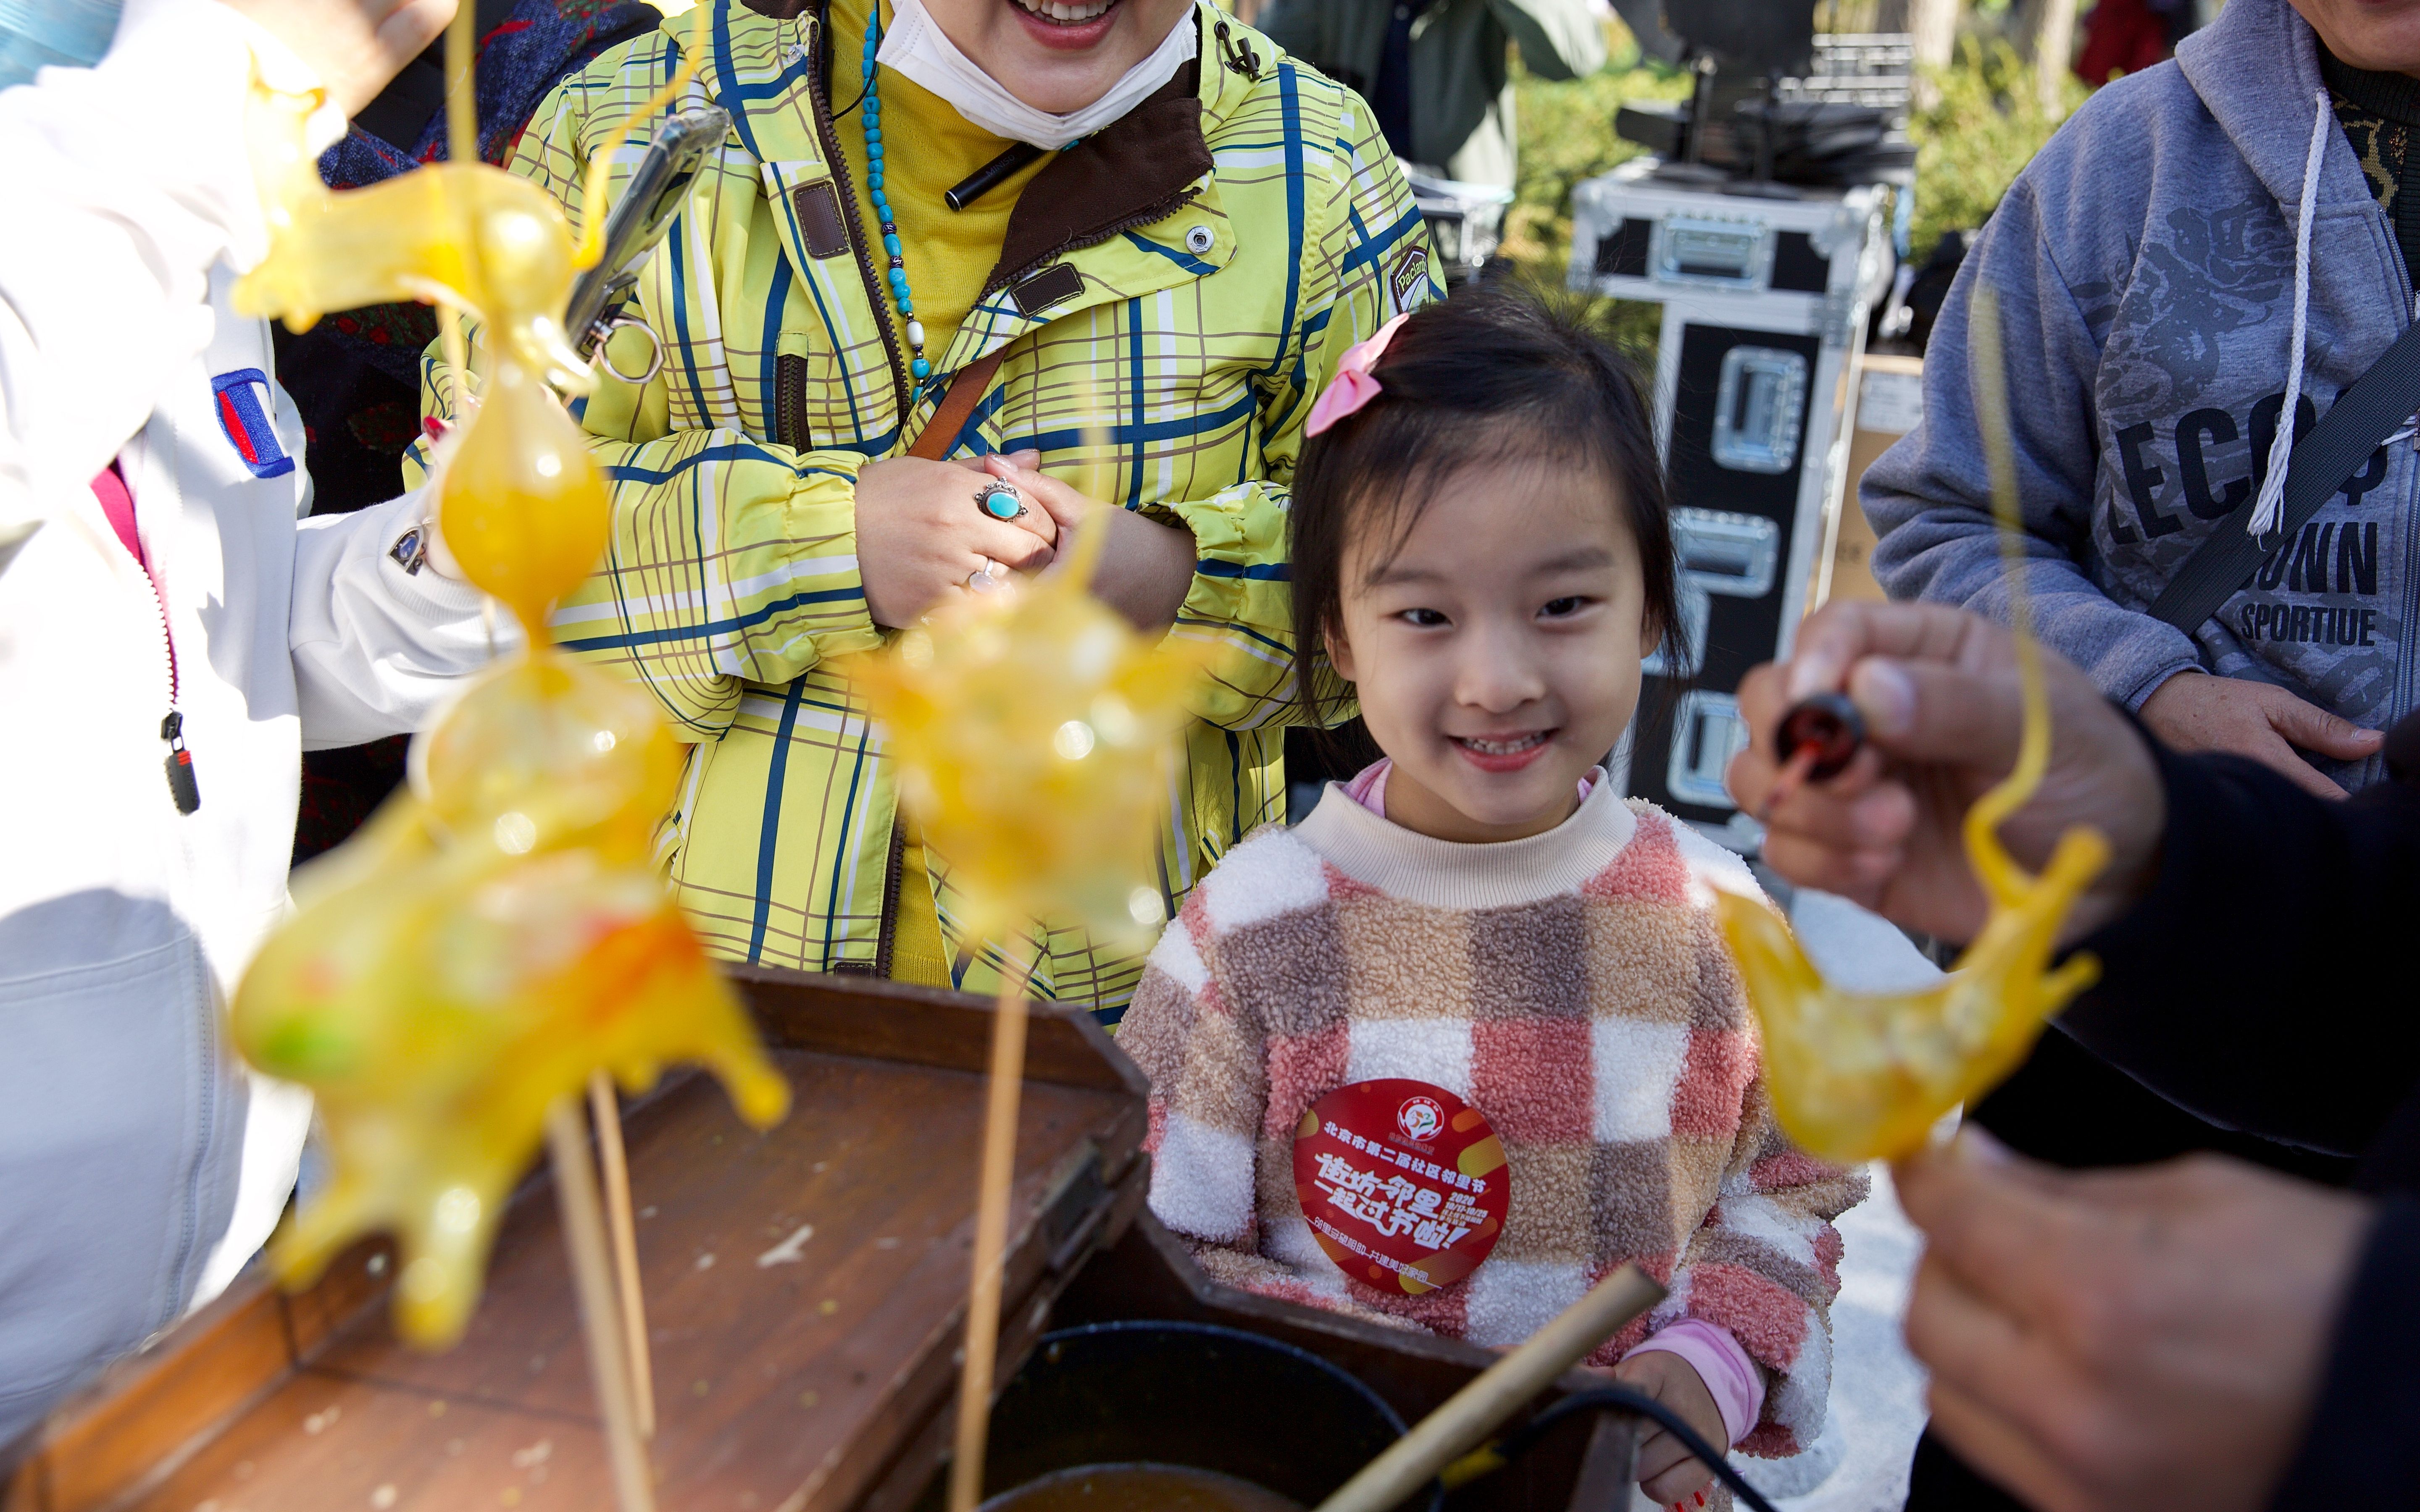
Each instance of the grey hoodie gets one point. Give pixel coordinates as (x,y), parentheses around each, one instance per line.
(2146,265)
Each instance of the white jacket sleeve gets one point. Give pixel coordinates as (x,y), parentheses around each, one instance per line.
(121,185)
(377,648)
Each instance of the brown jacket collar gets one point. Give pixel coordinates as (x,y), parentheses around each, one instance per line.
(1141,167)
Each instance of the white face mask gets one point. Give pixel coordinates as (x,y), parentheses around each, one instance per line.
(916,47)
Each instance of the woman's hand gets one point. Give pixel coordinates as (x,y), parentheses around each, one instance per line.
(2195,711)
(355,46)
(920,534)
(1145,568)
(1668,1472)
(1938,689)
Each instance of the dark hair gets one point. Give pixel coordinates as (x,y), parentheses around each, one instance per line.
(1496,371)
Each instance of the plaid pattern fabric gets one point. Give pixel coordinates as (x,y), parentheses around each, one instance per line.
(1176,381)
(1598,1023)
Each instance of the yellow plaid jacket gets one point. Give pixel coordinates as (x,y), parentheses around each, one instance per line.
(1172,294)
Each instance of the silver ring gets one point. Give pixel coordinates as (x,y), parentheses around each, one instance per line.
(654,346)
(997,489)
(982,580)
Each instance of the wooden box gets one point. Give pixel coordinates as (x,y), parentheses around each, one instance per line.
(1889,402)
(791,1375)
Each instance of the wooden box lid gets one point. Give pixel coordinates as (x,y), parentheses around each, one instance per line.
(791,1373)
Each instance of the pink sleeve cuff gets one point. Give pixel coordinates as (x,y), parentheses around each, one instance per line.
(1732,1378)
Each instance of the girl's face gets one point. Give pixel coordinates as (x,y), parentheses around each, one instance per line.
(1496,653)
(1058,56)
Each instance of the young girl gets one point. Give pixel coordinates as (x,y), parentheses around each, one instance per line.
(1465,1039)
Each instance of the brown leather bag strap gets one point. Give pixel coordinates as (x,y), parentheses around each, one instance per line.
(966,391)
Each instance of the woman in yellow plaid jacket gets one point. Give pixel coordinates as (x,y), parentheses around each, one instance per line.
(1164,295)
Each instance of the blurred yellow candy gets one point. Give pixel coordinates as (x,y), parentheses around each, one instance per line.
(470,959)
(499,933)
(1034,733)
(1859,1076)
(547,747)
(521,502)
(468,235)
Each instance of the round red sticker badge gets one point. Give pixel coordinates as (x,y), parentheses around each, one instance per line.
(1405,1184)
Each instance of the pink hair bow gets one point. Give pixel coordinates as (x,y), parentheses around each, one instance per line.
(1353,386)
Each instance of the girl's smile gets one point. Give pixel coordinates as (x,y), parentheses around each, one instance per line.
(1503,753)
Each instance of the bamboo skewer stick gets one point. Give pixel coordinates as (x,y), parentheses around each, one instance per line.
(592,1276)
(1499,1390)
(608,1115)
(991,1240)
(461,104)
(461,146)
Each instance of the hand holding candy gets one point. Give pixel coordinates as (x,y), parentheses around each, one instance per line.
(1944,709)
(1858,1075)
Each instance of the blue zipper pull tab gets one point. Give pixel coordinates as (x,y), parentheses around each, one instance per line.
(182,785)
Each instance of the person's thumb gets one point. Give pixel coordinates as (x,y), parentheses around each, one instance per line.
(1939,714)
(2006,1226)
(405,30)
(2313,728)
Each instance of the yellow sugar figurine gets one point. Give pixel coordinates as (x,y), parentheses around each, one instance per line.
(499,934)
(1035,736)
(521,502)
(490,939)
(1858,1076)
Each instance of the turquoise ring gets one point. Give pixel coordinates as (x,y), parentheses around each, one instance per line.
(1000,502)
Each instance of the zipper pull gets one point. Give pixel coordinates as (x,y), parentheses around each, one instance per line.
(182,785)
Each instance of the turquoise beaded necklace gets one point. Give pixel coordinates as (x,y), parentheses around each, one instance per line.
(870,117)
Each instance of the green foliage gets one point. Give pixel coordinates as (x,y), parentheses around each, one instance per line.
(1566,136)
(1986,125)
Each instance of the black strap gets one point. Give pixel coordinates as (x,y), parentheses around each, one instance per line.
(2375,408)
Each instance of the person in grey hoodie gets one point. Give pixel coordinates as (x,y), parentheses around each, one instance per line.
(2206,246)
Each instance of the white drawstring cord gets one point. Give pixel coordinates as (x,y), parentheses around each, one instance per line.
(2272,487)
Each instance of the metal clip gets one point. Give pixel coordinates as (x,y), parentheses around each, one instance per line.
(605,329)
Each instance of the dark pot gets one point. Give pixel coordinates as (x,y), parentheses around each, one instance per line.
(1189,1394)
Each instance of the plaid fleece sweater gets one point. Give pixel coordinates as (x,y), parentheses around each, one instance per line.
(1572,987)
